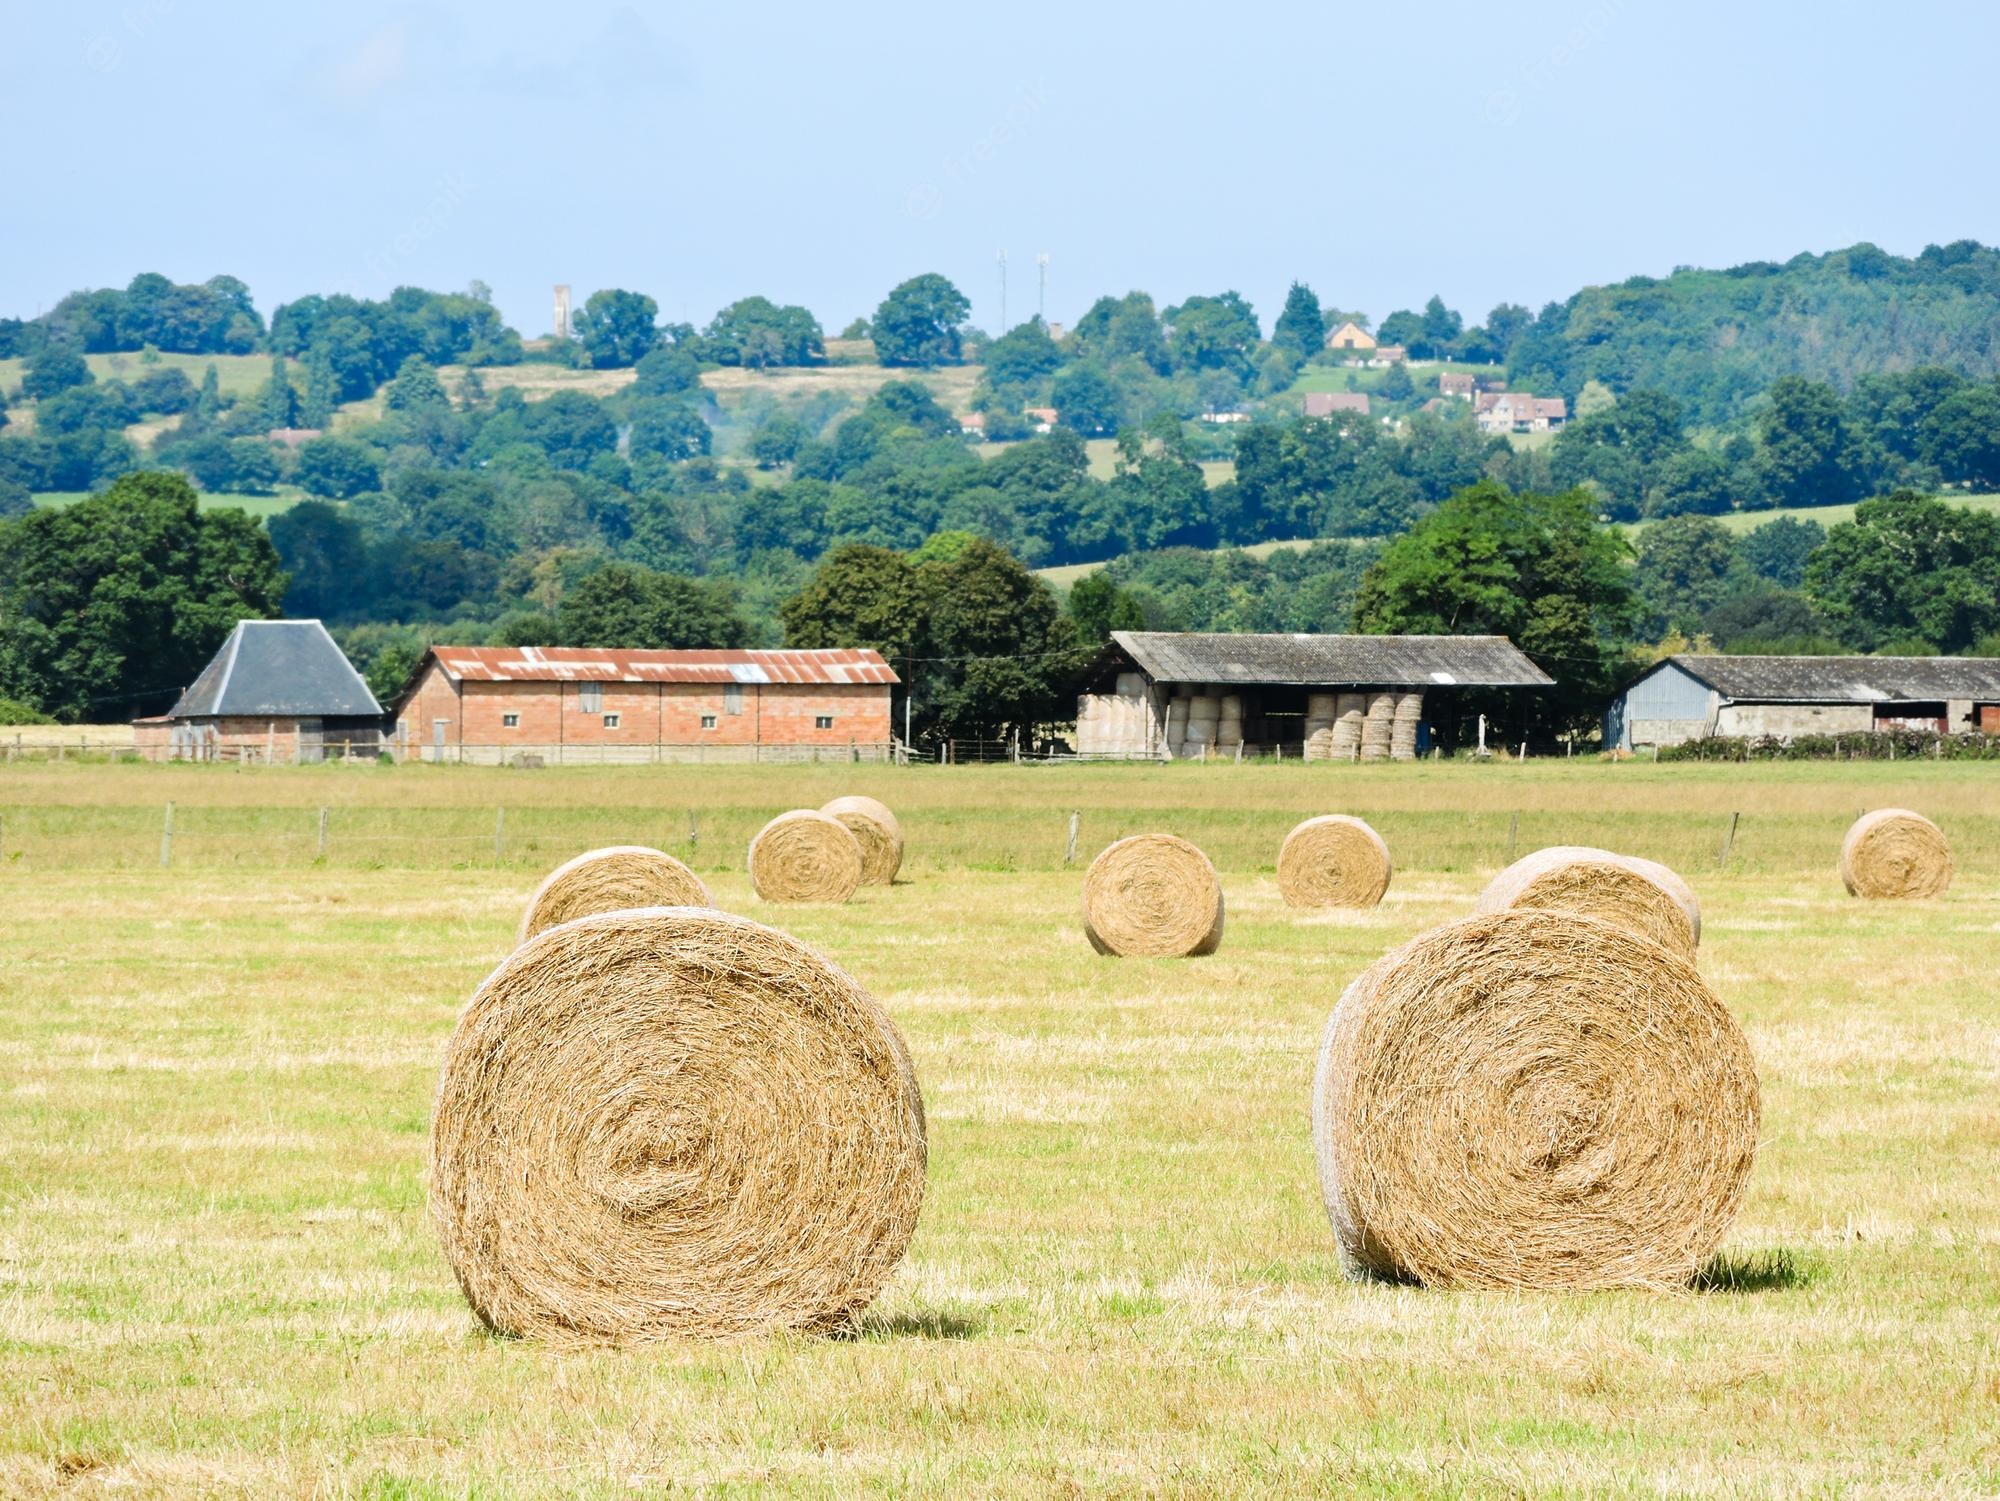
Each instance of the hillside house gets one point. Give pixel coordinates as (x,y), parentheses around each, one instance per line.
(1128,704)
(1690,697)
(1518,412)
(1334,403)
(1389,354)
(278,691)
(550,705)
(1350,335)
(1459,383)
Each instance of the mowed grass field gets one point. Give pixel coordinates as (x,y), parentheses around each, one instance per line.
(217,1274)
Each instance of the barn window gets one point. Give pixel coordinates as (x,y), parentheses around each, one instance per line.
(822,721)
(510,721)
(708,721)
(611,721)
(590,697)
(732,699)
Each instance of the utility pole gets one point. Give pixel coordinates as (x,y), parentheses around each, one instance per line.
(1003,291)
(1042,286)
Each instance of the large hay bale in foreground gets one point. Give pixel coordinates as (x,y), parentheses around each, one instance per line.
(1642,895)
(610,880)
(805,856)
(876,829)
(1894,853)
(673,1122)
(1532,1099)
(1152,896)
(1333,861)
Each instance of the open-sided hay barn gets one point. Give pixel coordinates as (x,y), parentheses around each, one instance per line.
(1362,698)
(1690,697)
(585,706)
(276,691)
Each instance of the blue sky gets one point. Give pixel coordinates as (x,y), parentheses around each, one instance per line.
(819,154)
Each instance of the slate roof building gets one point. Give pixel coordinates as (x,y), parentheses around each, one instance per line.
(554,705)
(1147,687)
(276,691)
(1689,697)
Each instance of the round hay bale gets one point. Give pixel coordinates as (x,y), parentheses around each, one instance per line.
(1894,853)
(805,856)
(1152,896)
(610,880)
(1642,895)
(1333,861)
(673,1122)
(1532,1099)
(876,829)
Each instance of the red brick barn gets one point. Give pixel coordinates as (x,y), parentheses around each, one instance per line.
(584,706)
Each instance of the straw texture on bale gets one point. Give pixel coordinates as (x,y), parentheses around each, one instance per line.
(673,1122)
(1333,861)
(1152,896)
(610,880)
(876,829)
(1532,1099)
(1894,853)
(1642,895)
(805,856)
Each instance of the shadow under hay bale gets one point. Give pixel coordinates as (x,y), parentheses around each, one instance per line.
(805,856)
(1333,861)
(876,829)
(673,1122)
(610,880)
(1643,895)
(1532,1099)
(1893,854)
(1152,896)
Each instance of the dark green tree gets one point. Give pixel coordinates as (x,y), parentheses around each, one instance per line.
(667,370)
(625,605)
(278,402)
(1909,565)
(1001,657)
(669,428)
(1299,329)
(757,332)
(111,606)
(1687,566)
(1098,607)
(54,367)
(918,323)
(326,556)
(616,327)
(1809,453)
(776,439)
(1086,402)
(416,387)
(337,468)
(859,596)
(1778,550)
(1022,356)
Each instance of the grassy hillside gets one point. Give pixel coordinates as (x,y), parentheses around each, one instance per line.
(236,374)
(1740,522)
(1423,375)
(1062,578)
(286,497)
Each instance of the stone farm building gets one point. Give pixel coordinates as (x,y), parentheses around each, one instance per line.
(1163,694)
(581,705)
(276,691)
(1688,697)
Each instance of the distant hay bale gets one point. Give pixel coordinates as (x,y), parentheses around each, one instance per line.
(1333,861)
(673,1122)
(1152,896)
(1894,853)
(805,856)
(608,880)
(1642,895)
(876,829)
(1532,1099)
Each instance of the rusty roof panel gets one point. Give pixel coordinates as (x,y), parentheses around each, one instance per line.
(572,664)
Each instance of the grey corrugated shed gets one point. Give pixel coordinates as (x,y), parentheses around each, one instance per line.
(1321,661)
(1846,680)
(287,669)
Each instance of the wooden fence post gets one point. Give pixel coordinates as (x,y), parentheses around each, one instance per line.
(322,834)
(167,839)
(1069,852)
(1728,840)
(694,830)
(499,832)
(1513,834)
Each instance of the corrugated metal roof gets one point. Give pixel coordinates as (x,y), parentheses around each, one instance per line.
(1845,680)
(1354,661)
(582,664)
(283,668)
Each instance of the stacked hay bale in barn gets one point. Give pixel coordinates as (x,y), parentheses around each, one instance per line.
(805,856)
(1322,709)
(1152,895)
(1333,861)
(1378,726)
(1409,715)
(1176,726)
(1532,1099)
(673,1122)
(875,829)
(1204,717)
(1229,722)
(610,880)
(1895,854)
(1641,896)
(1349,717)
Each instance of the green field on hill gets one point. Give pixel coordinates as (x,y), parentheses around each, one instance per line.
(220,1276)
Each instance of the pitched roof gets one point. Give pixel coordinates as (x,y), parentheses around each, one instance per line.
(1845,680)
(1357,661)
(281,668)
(587,664)
(1326,403)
